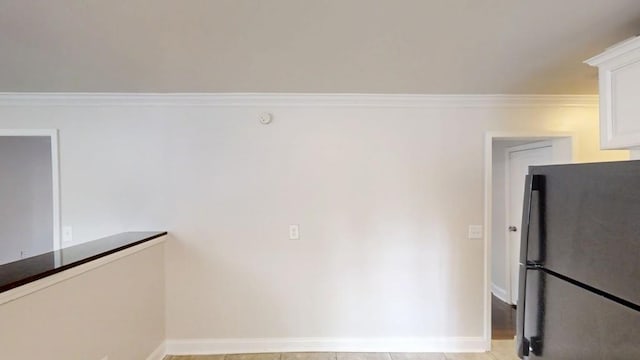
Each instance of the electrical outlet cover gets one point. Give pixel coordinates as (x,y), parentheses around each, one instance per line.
(475,232)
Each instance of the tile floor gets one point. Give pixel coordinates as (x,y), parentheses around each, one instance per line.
(500,350)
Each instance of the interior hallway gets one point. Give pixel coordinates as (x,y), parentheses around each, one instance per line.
(503,320)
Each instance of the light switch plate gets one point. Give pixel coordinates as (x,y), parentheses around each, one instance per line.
(67,234)
(294,232)
(475,232)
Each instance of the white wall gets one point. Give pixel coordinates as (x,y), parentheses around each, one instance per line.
(383,192)
(116,310)
(26,197)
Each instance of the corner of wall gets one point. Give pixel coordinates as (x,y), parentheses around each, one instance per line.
(159,353)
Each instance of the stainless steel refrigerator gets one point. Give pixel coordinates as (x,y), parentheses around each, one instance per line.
(579,292)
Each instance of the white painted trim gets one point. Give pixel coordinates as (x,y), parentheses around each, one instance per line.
(500,293)
(46,282)
(634,154)
(261,345)
(55,181)
(261,100)
(507,237)
(529,146)
(28,132)
(55,173)
(159,353)
(615,51)
(488,162)
(488,181)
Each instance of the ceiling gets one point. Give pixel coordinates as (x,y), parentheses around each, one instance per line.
(317,46)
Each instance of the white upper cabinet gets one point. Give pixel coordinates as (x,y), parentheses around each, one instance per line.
(619,68)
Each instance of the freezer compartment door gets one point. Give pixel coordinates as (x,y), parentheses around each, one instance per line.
(585,225)
(563,321)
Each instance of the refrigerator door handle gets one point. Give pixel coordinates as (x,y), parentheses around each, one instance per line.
(522,343)
(533,183)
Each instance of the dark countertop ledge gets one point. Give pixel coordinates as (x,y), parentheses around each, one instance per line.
(21,272)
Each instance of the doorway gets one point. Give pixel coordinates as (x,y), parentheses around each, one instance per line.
(507,158)
(29,214)
(517,162)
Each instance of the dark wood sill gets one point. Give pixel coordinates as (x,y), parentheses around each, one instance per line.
(21,272)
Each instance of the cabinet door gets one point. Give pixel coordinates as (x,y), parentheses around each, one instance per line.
(619,69)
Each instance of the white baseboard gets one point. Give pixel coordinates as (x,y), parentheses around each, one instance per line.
(500,293)
(261,345)
(159,353)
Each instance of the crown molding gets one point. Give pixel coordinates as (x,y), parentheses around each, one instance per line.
(294,100)
(613,52)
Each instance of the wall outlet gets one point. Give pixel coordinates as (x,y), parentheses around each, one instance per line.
(294,232)
(475,232)
(67,234)
(23,254)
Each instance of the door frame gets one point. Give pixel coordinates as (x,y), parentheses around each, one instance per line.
(55,173)
(489,137)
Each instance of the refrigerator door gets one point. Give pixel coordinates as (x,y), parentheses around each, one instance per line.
(585,225)
(564,321)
